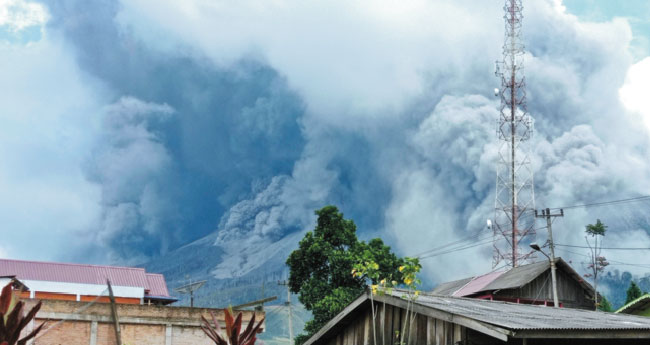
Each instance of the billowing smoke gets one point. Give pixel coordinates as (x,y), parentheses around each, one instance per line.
(242,118)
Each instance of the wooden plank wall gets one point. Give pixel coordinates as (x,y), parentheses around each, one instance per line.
(425,330)
(570,292)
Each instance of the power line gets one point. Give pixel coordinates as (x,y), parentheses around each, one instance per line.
(612,262)
(458,249)
(459,241)
(609,248)
(605,203)
(447,248)
(475,236)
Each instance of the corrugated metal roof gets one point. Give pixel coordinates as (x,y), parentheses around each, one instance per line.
(477,284)
(448,288)
(519,276)
(73,273)
(512,279)
(156,285)
(530,317)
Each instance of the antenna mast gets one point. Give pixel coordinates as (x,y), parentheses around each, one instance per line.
(515,198)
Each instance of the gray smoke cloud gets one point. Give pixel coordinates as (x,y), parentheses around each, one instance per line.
(132,166)
(239,119)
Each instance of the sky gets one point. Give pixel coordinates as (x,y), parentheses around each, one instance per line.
(133,127)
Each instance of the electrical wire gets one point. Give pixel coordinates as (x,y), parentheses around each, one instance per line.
(609,248)
(457,245)
(459,241)
(457,249)
(606,203)
(611,262)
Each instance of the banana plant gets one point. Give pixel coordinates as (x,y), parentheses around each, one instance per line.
(233,328)
(12,319)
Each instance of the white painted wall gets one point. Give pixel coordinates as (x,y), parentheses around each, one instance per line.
(83,289)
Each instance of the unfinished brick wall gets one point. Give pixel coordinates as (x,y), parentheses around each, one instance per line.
(139,324)
(68,333)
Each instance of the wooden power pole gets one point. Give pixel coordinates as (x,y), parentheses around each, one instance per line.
(288,304)
(116,321)
(547,214)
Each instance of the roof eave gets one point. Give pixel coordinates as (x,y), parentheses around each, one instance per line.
(580,334)
(486,328)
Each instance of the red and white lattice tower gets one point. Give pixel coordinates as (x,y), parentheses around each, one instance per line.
(514,222)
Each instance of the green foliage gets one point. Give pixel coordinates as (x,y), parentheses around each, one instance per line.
(597,229)
(12,319)
(319,270)
(233,336)
(633,292)
(604,304)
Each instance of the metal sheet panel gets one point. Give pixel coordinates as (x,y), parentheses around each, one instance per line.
(73,273)
(477,284)
(156,285)
(530,317)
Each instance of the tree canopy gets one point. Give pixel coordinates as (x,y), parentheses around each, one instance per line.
(597,229)
(320,269)
(633,292)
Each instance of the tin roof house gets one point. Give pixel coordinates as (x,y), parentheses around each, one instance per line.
(438,320)
(526,284)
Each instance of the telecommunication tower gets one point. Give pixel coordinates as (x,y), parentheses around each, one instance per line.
(514,222)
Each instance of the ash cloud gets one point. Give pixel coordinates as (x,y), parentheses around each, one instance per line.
(277,111)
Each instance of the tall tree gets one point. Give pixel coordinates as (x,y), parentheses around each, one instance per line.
(320,269)
(604,304)
(633,292)
(597,262)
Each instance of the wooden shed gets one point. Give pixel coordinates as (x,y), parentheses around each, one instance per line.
(438,320)
(527,284)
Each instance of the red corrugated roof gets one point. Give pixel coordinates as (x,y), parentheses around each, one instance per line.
(156,285)
(477,284)
(83,274)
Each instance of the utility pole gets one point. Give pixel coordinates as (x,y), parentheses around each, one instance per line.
(288,304)
(116,321)
(547,214)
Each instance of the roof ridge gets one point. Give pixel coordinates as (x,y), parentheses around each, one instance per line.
(631,303)
(74,264)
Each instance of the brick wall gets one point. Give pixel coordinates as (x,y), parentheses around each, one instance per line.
(140,324)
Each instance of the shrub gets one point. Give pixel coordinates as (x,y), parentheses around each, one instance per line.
(12,320)
(233,327)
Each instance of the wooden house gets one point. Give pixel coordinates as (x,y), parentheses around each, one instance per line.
(526,284)
(438,320)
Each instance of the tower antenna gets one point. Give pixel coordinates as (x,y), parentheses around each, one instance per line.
(514,221)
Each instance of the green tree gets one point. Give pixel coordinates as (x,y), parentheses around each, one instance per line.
(633,292)
(320,269)
(597,229)
(604,304)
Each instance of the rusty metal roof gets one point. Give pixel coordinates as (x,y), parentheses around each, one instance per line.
(83,274)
